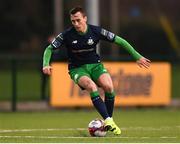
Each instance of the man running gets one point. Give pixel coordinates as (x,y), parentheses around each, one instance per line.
(85,67)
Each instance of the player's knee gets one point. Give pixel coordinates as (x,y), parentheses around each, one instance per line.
(108,88)
(90,87)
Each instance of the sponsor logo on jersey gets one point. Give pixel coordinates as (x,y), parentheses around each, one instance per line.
(56,43)
(104,32)
(82,50)
(74,42)
(110,36)
(60,36)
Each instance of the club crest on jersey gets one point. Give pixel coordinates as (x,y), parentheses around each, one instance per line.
(90,41)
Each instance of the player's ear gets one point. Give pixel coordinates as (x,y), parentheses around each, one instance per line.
(85,17)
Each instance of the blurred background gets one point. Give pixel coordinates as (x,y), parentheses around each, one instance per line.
(26,28)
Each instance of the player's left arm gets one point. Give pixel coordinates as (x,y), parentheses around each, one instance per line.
(140,60)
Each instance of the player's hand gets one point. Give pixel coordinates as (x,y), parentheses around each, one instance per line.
(47,70)
(143,62)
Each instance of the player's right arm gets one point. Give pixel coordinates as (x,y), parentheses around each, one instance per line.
(57,42)
(46,59)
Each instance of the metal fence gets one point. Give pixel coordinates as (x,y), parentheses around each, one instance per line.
(21,79)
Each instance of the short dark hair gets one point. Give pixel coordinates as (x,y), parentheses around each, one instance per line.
(77,9)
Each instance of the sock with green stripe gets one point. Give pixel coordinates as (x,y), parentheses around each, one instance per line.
(109,102)
(99,104)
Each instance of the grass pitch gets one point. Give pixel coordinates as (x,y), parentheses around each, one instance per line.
(138,125)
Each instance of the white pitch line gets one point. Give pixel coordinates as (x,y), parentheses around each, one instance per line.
(49,129)
(168,137)
(71,137)
(84,129)
(58,137)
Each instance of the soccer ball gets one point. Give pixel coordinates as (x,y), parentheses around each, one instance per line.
(96,128)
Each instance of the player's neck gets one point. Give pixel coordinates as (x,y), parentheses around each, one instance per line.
(84,31)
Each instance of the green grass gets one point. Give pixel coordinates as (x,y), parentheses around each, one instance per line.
(138,125)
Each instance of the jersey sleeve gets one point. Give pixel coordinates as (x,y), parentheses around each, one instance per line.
(58,41)
(107,35)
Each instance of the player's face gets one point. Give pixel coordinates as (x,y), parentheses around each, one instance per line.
(79,21)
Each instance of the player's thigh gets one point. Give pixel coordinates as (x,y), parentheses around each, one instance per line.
(81,77)
(77,73)
(87,83)
(105,82)
(97,70)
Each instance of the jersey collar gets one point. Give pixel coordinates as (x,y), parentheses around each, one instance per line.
(81,33)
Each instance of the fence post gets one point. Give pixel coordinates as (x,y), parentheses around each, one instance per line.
(14,84)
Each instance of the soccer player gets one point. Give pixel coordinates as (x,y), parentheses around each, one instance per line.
(84,64)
